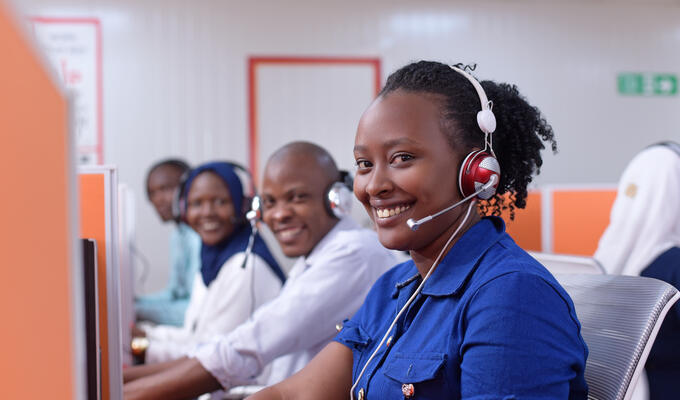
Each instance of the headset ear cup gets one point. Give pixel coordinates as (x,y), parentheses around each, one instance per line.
(246,206)
(255,213)
(347,179)
(182,210)
(338,200)
(339,196)
(175,206)
(179,199)
(475,171)
(486,121)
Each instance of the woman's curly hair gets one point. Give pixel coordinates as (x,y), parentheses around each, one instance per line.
(517,141)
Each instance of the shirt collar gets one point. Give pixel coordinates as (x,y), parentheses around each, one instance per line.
(458,265)
(344,224)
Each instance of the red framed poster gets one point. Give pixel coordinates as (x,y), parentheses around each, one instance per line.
(73,48)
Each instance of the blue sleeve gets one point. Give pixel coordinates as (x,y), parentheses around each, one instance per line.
(168,306)
(521,340)
(161,311)
(354,336)
(185,261)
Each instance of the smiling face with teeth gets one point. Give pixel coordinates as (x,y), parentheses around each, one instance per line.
(293,188)
(210,211)
(406,168)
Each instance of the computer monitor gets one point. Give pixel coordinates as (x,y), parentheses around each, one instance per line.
(93,349)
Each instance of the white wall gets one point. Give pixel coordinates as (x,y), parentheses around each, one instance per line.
(175,72)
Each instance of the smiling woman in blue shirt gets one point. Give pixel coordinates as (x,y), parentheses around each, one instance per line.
(471,316)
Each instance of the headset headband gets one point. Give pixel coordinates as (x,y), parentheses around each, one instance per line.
(675,147)
(485,118)
(251,183)
(486,104)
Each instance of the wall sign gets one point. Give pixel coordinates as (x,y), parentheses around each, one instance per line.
(647,84)
(73,48)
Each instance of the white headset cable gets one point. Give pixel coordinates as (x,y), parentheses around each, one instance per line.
(410,300)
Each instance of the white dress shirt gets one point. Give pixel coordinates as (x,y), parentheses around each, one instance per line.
(322,290)
(216,309)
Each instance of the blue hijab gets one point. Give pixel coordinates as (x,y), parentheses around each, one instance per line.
(213,257)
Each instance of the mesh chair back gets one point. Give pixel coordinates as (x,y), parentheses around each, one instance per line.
(620,317)
(568,264)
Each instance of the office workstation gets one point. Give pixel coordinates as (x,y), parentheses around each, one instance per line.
(205,198)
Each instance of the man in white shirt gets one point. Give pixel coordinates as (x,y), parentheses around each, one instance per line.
(339,262)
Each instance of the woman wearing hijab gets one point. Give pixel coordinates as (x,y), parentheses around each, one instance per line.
(643,238)
(230,284)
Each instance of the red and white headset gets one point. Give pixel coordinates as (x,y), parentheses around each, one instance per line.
(479,166)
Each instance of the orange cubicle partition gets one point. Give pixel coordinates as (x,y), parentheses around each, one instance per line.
(526,228)
(98,220)
(567,219)
(93,226)
(39,339)
(579,218)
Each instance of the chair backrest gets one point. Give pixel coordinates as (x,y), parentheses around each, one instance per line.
(568,264)
(620,317)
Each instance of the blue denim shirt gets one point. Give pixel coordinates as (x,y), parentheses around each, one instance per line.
(490,323)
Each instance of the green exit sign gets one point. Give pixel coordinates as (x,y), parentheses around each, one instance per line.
(647,84)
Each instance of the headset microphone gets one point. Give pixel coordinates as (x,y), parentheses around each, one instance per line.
(414,225)
(252,216)
(251,242)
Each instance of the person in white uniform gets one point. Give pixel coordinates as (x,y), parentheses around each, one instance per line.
(339,262)
(229,285)
(643,238)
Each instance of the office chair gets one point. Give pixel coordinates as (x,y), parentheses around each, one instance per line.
(620,317)
(568,264)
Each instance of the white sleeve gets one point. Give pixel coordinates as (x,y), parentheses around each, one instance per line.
(167,349)
(165,341)
(227,303)
(302,316)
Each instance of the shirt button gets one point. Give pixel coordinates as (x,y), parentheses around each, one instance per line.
(338,327)
(389,341)
(408,390)
(361,394)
